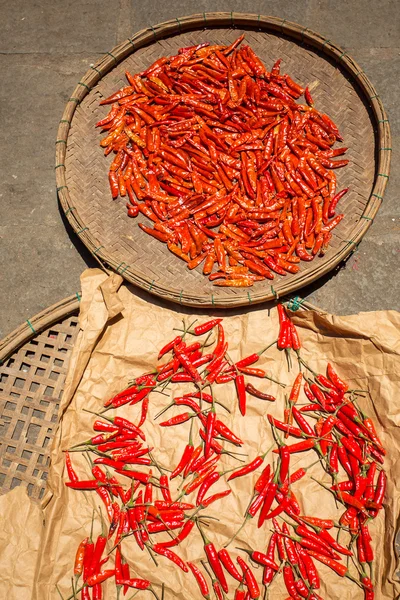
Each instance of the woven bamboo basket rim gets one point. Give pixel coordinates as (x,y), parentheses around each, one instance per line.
(298,33)
(32,471)
(69,306)
(35,325)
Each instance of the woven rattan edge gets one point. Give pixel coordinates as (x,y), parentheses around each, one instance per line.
(273,24)
(38,323)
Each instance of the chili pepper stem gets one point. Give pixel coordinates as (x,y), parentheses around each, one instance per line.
(301,361)
(247,517)
(164,410)
(288,358)
(274,381)
(150,588)
(151,554)
(60,594)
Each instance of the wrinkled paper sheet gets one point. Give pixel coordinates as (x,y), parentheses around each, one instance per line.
(119,339)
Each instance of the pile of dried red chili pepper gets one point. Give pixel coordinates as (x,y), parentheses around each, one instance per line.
(230,169)
(156,509)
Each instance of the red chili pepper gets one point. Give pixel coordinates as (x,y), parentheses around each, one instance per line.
(251,581)
(73,477)
(295,339)
(197,481)
(167,525)
(261,559)
(214,561)
(351,446)
(209,432)
(201,580)
(295,431)
(170,346)
(288,578)
(186,364)
(205,486)
(186,456)
(268,573)
(158,549)
(100,577)
(289,546)
(263,479)
(229,565)
(380,489)
(138,584)
(312,573)
(300,446)
(215,497)
(339,568)
(223,430)
(258,394)
(295,392)
(241,392)
(284,466)
(284,337)
(206,327)
(97,554)
(301,421)
(310,407)
(252,466)
(125,424)
(99,425)
(326,537)
(337,382)
(269,498)
(308,97)
(177,420)
(370,427)
(80,557)
(195,455)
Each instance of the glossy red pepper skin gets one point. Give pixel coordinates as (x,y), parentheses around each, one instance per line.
(301,421)
(206,327)
(269,498)
(186,456)
(73,477)
(201,580)
(339,568)
(285,460)
(171,556)
(241,392)
(100,577)
(251,581)
(252,466)
(215,564)
(289,580)
(338,383)
(229,565)
(205,486)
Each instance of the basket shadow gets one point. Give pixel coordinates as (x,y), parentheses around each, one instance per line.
(80,247)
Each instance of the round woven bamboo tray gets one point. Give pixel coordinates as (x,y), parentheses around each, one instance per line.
(343,91)
(33,364)
(34,361)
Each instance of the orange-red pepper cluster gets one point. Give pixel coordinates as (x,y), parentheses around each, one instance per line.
(232,172)
(159,514)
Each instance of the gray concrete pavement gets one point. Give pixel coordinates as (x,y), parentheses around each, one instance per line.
(45,47)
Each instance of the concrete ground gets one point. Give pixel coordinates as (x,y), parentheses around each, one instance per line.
(45,48)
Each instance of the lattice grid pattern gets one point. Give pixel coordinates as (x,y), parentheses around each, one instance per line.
(31,384)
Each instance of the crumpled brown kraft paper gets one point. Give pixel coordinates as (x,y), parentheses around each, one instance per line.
(120,337)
